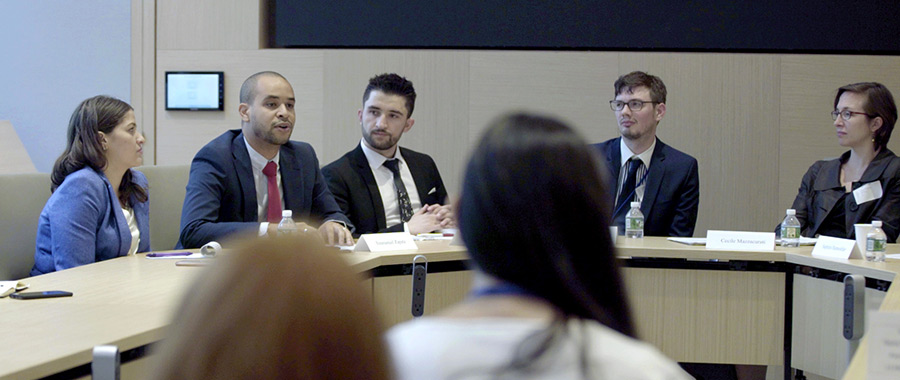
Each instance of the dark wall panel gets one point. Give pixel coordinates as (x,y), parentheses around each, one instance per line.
(752,26)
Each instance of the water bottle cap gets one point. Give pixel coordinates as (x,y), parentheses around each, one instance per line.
(286,213)
(876,223)
(635,204)
(791,211)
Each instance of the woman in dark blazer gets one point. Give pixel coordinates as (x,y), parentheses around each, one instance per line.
(863,184)
(99,207)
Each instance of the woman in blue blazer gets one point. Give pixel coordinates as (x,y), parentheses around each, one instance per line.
(99,207)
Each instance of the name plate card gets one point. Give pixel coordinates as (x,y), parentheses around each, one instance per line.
(884,346)
(457,240)
(835,248)
(740,240)
(391,241)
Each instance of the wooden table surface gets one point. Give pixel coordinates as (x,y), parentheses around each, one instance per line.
(129,301)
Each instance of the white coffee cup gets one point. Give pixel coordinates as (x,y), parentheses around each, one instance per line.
(211,249)
(862,229)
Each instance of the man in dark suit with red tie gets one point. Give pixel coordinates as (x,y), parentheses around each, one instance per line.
(380,186)
(242,180)
(643,168)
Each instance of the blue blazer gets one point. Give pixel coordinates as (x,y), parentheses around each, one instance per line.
(672,192)
(83,223)
(220,198)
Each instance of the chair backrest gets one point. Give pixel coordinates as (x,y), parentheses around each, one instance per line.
(167,184)
(22,197)
(13,156)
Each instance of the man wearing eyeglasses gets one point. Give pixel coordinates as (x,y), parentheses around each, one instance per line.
(644,169)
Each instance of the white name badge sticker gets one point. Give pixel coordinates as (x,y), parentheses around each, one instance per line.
(391,241)
(836,248)
(868,192)
(740,240)
(883,338)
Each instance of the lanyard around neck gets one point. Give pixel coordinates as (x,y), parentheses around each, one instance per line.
(641,182)
(503,288)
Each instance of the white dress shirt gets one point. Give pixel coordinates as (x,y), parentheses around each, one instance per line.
(476,348)
(645,157)
(133,228)
(257,163)
(384,177)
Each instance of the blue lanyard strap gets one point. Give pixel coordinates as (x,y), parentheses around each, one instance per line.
(504,288)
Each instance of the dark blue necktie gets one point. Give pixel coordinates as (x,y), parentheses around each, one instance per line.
(627,192)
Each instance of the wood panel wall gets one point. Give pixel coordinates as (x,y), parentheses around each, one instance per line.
(755,122)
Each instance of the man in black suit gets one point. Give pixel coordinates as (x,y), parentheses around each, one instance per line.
(243,179)
(643,168)
(380,186)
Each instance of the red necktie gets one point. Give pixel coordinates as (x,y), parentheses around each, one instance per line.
(271,172)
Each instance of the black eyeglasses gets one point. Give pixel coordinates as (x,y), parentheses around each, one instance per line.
(847,114)
(634,105)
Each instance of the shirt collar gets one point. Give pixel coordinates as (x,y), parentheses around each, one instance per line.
(644,157)
(257,161)
(376,160)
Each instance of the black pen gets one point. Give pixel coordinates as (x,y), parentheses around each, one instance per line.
(169,254)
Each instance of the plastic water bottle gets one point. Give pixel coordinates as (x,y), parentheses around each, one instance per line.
(875,243)
(287,226)
(634,222)
(790,229)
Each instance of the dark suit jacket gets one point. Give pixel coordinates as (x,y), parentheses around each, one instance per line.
(220,197)
(671,193)
(821,188)
(353,185)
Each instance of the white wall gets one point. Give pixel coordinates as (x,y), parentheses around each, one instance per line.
(53,55)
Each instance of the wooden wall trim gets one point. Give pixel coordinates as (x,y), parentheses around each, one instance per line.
(143,72)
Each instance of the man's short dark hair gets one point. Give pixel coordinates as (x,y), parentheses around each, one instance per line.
(393,84)
(634,79)
(248,89)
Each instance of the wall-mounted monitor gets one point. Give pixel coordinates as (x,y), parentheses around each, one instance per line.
(195,90)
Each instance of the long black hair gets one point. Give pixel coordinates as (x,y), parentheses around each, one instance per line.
(83,148)
(534,212)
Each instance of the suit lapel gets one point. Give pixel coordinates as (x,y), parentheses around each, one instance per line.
(292,179)
(877,166)
(828,189)
(245,178)
(654,177)
(121,222)
(614,159)
(360,164)
(420,176)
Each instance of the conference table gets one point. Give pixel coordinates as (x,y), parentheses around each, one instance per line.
(695,304)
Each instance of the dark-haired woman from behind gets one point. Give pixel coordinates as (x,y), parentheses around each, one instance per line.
(99,207)
(863,184)
(548,301)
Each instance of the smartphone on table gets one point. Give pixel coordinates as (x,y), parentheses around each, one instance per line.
(36,295)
